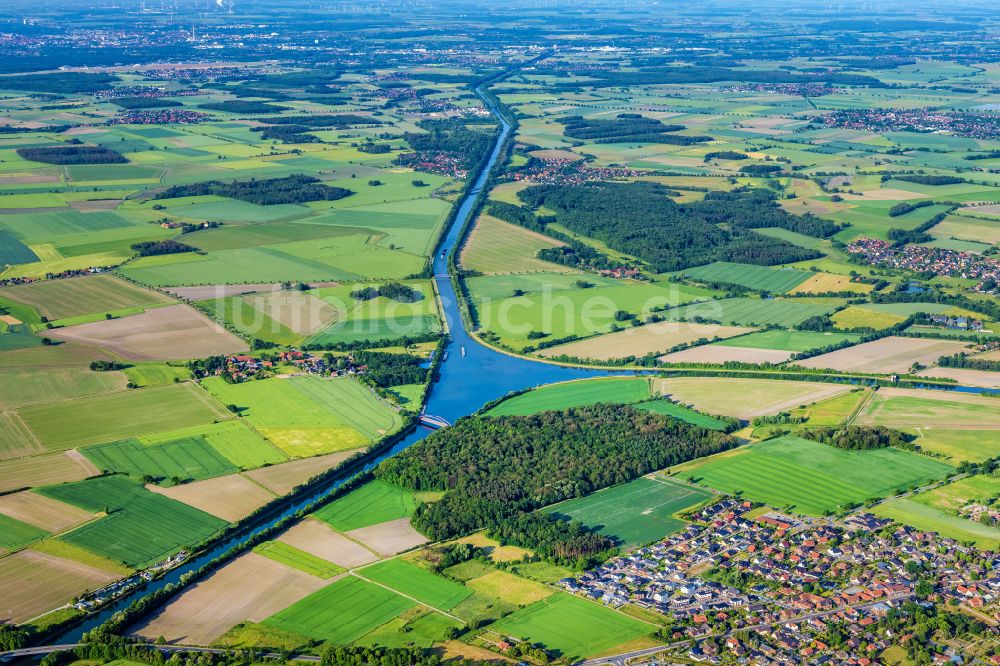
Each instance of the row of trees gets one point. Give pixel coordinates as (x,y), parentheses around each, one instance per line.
(859,438)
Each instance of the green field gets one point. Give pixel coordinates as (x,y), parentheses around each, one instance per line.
(342,612)
(298,559)
(813,478)
(752,311)
(910,511)
(141,527)
(573,627)
(793,341)
(374,502)
(61,299)
(15,533)
(422,631)
(574,394)
(309,415)
(156,374)
(188,459)
(634,513)
(121,415)
(681,413)
(20,387)
(408,579)
(763,278)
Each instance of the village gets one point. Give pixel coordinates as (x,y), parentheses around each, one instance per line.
(770,588)
(935,261)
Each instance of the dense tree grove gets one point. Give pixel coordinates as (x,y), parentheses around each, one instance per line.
(392,290)
(324,120)
(639,219)
(72,155)
(289,190)
(627,127)
(60,82)
(243,106)
(153,248)
(859,438)
(497,471)
(135,103)
(390,369)
(962,360)
(287,133)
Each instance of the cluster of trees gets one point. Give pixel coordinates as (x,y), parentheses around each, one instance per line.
(726,155)
(992,155)
(387,370)
(293,189)
(498,471)
(391,290)
(383,656)
(451,136)
(108,366)
(12,637)
(65,83)
(375,148)
(900,295)
(627,127)
(905,207)
(760,169)
(136,103)
(917,234)
(859,438)
(72,155)
(927,622)
(287,133)
(639,219)
(244,106)
(962,360)
(167,246)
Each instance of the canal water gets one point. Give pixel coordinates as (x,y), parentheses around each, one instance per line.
(470,375)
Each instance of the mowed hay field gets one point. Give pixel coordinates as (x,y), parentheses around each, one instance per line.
(745,398)
(64,425)
(20,387)
(887,355)
(374,502)
(577,393)
(812,478)
(642,340)
(634,513)
(74,297)
(251,587)
(342,612)
(574,627)
(496,247)
(32,583)
(45,470)
(43,512)
(230,497)
(308,415)
(720,354)
(173,332)
(764,278)
(929,411)
(317,538)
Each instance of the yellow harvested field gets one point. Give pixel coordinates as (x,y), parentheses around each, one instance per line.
(33,583)
(965,377)
(884,194)
(508,192)
(251,587)
(389,538)
(510,588)
(174,332)
(282,479)
(317,538)
(555,154)
(49,514)
(721,354)
(496,247)
(643,340)
(494,550)
(229,497)
(745,398)
(45,470)
(209,292)
(821,283)
(913,408)
(887,355)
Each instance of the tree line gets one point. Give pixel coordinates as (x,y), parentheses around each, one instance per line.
(72,155)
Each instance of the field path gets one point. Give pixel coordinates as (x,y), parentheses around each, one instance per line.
(413,599)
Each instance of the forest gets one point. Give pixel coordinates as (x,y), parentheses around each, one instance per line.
(498,470)
(133,103)
(640,219)
(859,438)
(627,127)
(243,106)
(72,155)
(451,136)
(293,189)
